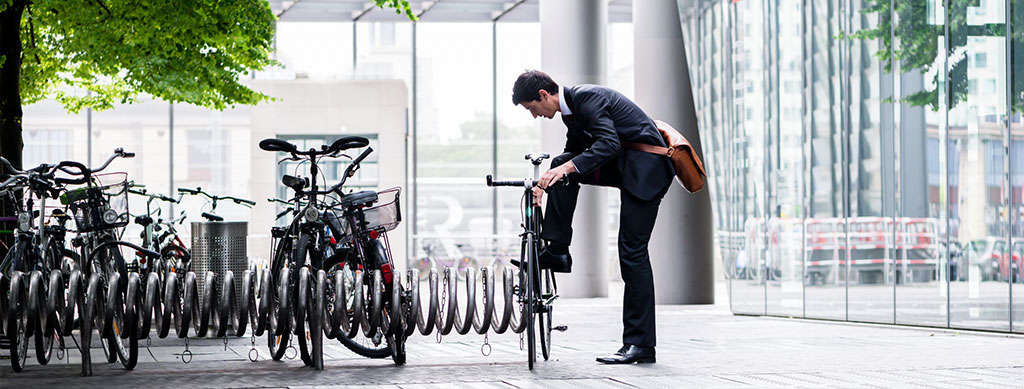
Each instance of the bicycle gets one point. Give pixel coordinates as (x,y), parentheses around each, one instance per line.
(317,240)
(38,254)
(541,289)
(100,208)
(161,236)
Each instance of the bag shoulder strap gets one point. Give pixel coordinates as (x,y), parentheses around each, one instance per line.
(648,148)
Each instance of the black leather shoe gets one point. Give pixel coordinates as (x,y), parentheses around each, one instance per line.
(632,354)
(558,263)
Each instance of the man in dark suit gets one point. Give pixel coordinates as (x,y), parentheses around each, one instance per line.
(598,121)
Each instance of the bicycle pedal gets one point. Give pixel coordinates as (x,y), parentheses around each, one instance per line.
(561,328)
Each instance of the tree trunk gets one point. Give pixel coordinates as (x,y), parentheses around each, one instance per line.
(10,85)
(10,100)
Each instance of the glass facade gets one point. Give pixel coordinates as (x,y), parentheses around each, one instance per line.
(865,156)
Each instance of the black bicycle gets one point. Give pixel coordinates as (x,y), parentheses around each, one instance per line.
(541,290)
(330,231)
(38,266)
(113,294)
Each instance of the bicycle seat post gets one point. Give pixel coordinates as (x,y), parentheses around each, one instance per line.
(536,159)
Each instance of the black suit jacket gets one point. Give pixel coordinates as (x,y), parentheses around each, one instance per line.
(601,120)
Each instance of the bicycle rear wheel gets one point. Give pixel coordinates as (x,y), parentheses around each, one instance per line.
(544,319)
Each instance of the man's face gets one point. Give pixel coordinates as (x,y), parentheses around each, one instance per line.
(546,106)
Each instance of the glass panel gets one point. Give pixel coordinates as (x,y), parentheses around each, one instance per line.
(212,151)
(926,179)
(518,132)
(977,78)
(871,181)
(784,256)
(454,143)
(827,260)
(741,156)
(1016,186)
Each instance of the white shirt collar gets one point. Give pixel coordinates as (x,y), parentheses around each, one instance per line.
(561,102)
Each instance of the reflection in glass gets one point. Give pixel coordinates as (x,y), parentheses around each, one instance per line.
(784,271)
(977,83)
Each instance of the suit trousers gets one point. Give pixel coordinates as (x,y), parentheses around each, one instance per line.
(636,221)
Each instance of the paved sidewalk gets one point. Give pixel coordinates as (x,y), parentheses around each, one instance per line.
(702,346)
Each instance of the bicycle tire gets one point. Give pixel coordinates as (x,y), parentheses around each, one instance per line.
(300,315)
(73,301)
(396,318)
(531,336)
(130,323)
(38,317)
(263,307)
(18,322)
(171,305)
(246,315)
(349,340)
(544,325)
(319,313)
(278,333)
(189,302)
(5,289)
(88,317)
(150,307)
(227,315)
(207,305)
(49,304)
(113,327)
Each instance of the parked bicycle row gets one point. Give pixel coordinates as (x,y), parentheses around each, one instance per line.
(331,273)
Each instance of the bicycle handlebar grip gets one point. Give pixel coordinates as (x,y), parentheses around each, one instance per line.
(285,212)
(362,156)
(244,201)
(9,167)
(128,155)
(492,182)
(71,181)
(188,191)
(213,218)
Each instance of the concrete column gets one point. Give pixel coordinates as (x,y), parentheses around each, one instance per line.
(573,46)
(681,246)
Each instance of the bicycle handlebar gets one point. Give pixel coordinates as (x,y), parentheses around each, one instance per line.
(153,195)
(199,191)
(527,183)
(350,170)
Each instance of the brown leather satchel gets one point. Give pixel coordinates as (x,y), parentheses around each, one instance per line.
(689,169)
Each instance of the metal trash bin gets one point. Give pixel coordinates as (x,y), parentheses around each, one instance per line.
(219,247)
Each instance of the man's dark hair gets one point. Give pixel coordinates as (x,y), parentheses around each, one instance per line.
(529,84)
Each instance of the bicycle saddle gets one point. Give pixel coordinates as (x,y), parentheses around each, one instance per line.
(274,144)
(293,182)
(360,198)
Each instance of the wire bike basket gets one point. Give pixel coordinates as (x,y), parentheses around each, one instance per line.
(101,204)
(384,216)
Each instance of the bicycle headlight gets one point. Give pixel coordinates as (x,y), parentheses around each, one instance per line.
(110,216)
(311,214)
(24,221)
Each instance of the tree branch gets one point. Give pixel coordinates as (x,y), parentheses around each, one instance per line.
(104,6)
(32,32)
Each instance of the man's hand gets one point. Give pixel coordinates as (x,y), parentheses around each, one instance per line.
(552,176)
(549,178)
